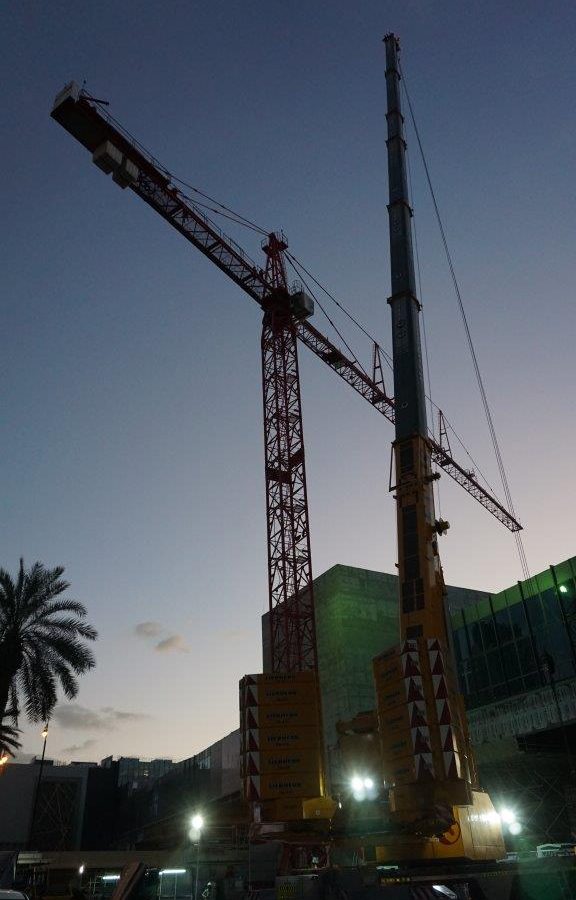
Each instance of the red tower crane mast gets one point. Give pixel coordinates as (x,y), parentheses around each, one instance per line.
(114,151)
(292,629)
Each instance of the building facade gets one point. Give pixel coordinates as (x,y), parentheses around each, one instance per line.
(516,661)
(518,640)
(356,613)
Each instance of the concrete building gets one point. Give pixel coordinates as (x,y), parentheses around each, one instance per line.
(521,723)
(60,798)
(68,806)
(356,618)
(516,659)
(158,813)
(135,773)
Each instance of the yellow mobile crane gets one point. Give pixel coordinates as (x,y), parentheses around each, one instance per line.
(426,754)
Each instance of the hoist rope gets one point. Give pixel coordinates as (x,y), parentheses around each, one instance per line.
(239,218)
(477,468)
(341,306)
(295,265)
(233,218)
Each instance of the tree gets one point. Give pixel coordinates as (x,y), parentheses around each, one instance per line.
(9,742)
(42,642)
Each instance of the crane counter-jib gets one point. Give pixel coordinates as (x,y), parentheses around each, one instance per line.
(79,115)
(114,152)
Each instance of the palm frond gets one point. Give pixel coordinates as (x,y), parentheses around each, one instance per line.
(9,742)
(47,634)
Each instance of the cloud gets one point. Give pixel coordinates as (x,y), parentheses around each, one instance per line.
(78,748)
(173,644)
(79,718)
(118,715)
(148,629)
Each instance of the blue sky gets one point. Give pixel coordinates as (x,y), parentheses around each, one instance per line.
(132,434)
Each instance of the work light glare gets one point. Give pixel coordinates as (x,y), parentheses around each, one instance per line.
(508,816)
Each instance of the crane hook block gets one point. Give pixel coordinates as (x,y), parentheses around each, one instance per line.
(441,526)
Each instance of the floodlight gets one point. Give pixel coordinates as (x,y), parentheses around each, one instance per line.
(508,816)
(357,783)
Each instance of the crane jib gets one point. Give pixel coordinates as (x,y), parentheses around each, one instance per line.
(89,124)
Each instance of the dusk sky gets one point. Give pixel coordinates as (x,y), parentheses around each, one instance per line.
(132,448)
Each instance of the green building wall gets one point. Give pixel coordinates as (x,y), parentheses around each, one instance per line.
(356,619)
(498,639)
(514,641)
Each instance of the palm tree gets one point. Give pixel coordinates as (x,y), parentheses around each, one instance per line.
(9,742)
(41,646)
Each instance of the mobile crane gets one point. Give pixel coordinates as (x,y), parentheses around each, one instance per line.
(442,791)
(421,715)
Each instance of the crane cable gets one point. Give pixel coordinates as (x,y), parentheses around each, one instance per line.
(238,217)
(479,379)
(436,483)
(296,266)
(341,306)
(387,357)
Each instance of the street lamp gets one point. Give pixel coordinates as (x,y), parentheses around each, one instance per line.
(197,824)
(37,791)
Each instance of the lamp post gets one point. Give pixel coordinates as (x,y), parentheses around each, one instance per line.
(197,823)
(37,790)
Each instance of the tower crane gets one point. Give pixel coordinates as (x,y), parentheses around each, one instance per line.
(286,322)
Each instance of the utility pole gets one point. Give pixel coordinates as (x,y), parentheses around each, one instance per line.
(37,789)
